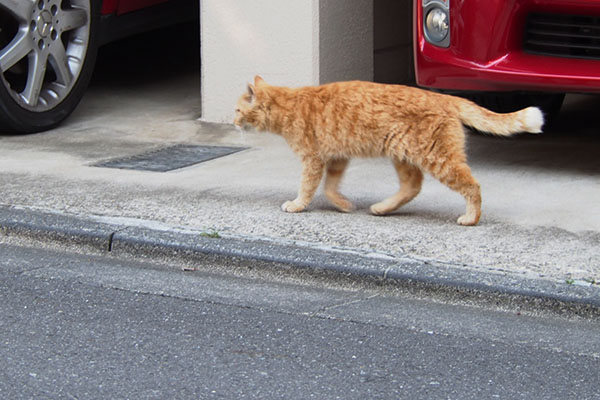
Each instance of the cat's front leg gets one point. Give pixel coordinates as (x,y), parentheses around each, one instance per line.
(312,172)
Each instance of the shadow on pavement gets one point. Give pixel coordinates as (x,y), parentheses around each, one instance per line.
(569,144)
(149,57)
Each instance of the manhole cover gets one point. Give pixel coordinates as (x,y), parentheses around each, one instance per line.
(170,158)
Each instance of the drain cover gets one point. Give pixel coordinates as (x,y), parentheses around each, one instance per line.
(169,158)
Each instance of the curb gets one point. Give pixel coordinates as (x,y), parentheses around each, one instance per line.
(131,237)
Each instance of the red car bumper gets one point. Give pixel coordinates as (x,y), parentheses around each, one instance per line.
(508,45)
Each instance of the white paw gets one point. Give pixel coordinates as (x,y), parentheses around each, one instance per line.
(291,207)
(467,221)
(379,209)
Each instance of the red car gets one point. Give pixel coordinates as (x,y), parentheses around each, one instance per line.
(48,50)
(533,51)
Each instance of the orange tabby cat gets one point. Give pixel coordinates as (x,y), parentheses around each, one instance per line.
(419,130)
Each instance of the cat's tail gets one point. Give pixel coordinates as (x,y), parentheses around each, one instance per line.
(529,119)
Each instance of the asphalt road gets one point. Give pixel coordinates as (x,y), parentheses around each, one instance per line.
(85,326)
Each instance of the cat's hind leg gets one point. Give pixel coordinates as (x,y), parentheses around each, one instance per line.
(411,180)
(335,171)
(447,162)
(458,177)
(312,172)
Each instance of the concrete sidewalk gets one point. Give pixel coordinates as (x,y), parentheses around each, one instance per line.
(539,233)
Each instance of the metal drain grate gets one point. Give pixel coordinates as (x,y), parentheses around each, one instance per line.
(170,158)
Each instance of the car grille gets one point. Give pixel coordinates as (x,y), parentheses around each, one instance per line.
(563,35)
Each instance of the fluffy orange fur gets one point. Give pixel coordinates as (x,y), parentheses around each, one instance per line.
(419,130)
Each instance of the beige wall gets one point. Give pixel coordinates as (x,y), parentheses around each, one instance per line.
(300,42)
(288,42)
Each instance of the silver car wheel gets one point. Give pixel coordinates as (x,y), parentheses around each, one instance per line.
(44,45)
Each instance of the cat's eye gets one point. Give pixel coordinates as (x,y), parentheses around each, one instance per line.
(237,110)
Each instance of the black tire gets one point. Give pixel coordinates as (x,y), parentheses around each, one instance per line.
(15,116)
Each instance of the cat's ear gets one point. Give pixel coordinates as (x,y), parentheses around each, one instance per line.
(258,80)
(251,93)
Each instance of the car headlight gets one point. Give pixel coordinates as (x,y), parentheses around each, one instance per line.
(436,22)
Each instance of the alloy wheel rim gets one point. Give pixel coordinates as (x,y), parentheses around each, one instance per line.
(43,44)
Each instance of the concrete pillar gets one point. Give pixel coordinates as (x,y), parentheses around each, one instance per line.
(287,42)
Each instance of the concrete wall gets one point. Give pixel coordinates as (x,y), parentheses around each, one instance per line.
(300,42)
(288,42)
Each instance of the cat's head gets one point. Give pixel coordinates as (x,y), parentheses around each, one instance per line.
(250,111)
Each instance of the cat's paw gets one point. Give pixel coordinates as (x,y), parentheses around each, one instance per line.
(342,204)
(292,207)
(380,209)
(345,206)
(466,220)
